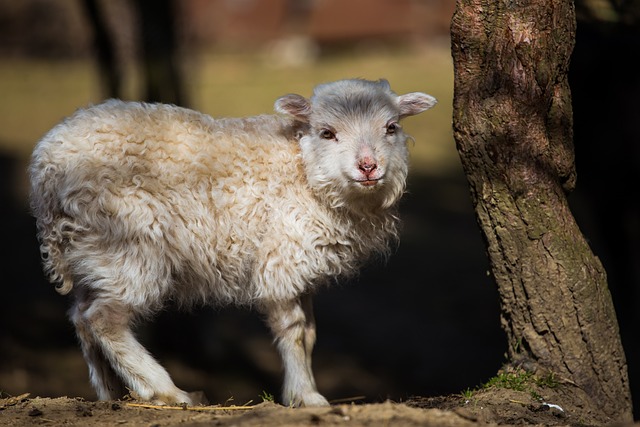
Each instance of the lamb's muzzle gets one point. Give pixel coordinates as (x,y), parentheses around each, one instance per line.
(137,204)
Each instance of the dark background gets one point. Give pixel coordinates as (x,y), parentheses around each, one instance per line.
(426,322)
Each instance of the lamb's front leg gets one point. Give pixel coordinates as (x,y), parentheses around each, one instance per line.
(306,302)
(294,330)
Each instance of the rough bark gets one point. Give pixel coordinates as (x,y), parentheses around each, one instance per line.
(513,129)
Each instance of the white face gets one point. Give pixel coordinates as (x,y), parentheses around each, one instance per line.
(357,157)
(354,150)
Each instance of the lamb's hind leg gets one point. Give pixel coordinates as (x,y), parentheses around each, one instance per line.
(294,330)
(104,380)
(115,357)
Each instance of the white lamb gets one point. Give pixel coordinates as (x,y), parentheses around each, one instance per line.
(139,204)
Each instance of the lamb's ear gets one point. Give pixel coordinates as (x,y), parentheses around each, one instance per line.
(294,105)
(415,103)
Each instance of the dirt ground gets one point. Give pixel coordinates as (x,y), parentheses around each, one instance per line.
(496,406)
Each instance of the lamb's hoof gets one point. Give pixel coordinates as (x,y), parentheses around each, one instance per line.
(309,400)
(180,398)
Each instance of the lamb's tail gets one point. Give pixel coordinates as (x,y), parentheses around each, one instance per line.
(53,226)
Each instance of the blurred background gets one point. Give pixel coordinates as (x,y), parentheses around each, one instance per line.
(428,322)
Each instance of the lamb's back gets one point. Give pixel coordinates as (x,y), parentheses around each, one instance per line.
(165,142)
(221,205)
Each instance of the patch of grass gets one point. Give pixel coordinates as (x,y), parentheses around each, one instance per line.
(267,397)
(548,381)
(467,394)
(518,380)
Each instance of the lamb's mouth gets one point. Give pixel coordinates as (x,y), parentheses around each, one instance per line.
(368,182)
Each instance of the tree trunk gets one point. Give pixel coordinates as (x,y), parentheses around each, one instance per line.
(159,47)
(513,128)
(110,73)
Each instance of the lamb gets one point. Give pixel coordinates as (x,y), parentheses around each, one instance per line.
(139,204)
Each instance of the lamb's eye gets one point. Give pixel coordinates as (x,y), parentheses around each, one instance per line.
(392,128)
(327,134)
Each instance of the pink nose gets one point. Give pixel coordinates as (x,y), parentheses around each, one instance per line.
(367,165)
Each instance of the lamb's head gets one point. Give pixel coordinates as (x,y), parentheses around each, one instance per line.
(353,146)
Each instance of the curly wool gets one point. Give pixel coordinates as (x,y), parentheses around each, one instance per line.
(160,195)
